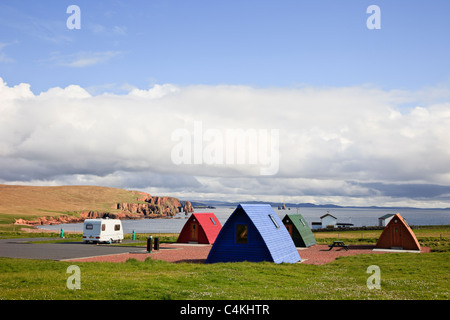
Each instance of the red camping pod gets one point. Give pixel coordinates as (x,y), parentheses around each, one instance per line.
(398,235)
(200,228)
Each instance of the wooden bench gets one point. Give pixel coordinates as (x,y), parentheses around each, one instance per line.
(338,244)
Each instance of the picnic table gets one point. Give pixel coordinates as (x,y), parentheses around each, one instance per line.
(338,244)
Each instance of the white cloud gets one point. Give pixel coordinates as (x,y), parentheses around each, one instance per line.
(83,59)
(119,30)
(4,58)
(70,92)
(158,91)
(109,31)
(345,145)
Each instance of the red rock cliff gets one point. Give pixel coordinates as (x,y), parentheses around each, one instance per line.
(188,208)
(146,206)
(166,206)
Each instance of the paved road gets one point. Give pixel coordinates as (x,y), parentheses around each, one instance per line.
(20,248)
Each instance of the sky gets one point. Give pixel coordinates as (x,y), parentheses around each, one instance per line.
(157,96)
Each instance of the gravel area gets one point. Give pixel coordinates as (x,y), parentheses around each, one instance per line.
(319,254)
(197,253)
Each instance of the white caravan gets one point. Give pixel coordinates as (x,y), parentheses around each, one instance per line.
(102,230)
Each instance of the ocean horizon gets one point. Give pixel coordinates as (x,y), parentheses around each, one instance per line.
(359,217)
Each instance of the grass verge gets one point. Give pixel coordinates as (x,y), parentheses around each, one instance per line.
(403,276)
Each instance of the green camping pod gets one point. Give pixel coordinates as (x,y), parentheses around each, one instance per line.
(299,230)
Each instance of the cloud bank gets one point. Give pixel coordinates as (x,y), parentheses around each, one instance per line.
(350,146)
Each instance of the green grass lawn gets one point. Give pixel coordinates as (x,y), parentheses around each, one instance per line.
(403,275)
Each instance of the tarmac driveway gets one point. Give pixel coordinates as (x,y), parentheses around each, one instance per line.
(21,248)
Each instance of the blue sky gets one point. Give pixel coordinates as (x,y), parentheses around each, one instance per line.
(258,43)
(362,115)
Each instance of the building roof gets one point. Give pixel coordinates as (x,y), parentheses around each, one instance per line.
(387,216)
(208,223)
(273,239)
(273,232)
(328,215)
(304,236)
(398,233)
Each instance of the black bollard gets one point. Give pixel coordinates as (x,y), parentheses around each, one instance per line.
(149,244)
(156,246)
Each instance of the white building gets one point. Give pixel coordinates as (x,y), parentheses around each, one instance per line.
(384,220)
(328,221)
(316,225)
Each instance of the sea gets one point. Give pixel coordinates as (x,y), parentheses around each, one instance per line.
(359,217)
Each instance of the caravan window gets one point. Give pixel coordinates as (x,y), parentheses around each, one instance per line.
(241,233)
(89,226)
(103,227)
(117,227)
(274,221)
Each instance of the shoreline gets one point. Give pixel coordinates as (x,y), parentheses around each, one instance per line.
(44,220)
(42,228)
(35,226)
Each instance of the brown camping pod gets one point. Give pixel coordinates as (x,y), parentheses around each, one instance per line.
(398,235)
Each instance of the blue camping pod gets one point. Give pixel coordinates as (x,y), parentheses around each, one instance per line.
(255,233)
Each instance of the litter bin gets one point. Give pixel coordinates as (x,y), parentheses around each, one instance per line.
(156,245)
(149,244)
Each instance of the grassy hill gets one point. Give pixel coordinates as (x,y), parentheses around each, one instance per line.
(27,202)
